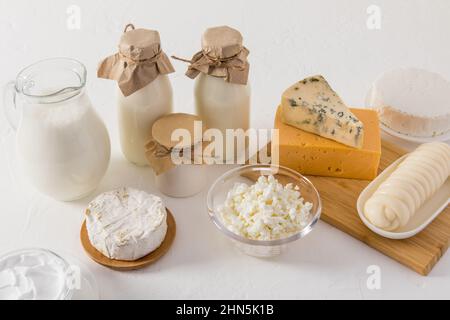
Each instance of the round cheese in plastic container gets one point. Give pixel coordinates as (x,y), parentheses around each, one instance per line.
(413,104)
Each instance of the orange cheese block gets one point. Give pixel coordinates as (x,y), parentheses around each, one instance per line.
(311,154)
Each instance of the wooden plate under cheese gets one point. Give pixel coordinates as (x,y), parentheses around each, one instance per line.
(120,265)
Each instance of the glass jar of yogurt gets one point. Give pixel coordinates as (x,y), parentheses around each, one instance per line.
(176,155)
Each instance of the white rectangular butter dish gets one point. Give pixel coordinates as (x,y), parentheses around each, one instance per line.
(422,218)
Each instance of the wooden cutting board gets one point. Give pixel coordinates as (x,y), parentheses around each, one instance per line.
(339,196)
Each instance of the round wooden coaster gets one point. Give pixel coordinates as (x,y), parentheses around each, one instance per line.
(121,265)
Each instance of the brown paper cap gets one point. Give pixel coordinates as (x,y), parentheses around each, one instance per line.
(222,56)
(139,61)
(222,42)
(159,148)
(163,127)
(140,44)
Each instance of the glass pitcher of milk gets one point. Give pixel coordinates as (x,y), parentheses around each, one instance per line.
(63,145)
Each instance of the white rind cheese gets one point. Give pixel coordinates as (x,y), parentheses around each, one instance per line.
(413,102)
(126,224)
(312,105)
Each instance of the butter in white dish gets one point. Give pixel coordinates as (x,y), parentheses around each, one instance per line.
(412,102)
(416,179)
(266,210)
(126,224)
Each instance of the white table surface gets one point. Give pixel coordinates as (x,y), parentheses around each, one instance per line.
(288,40)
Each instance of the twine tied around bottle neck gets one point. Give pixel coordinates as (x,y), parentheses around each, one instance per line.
(233,69)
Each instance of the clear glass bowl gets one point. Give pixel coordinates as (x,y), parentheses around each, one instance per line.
(44,283)
(249,174)
(76,283)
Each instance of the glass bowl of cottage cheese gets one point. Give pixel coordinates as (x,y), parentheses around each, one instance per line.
(263,209)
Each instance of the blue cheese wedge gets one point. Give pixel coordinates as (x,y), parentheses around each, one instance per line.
(313,106)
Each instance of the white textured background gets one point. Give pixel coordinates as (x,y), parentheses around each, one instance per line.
(288,40)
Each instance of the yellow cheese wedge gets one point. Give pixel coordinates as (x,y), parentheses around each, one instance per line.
(311,154)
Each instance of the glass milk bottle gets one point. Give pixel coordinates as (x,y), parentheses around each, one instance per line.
(63,145)
(222,92)
(144,91)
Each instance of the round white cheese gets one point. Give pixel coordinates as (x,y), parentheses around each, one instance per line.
(126,224)
(413,102)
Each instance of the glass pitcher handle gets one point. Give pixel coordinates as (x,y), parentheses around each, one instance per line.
(9,104)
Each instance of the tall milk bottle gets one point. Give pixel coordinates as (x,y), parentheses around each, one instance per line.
(144,92)
(222,92)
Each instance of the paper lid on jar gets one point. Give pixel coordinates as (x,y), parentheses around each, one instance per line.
(178,134)
(178,130)
(222,42)
(223,55)
(139,61)
(140,44)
